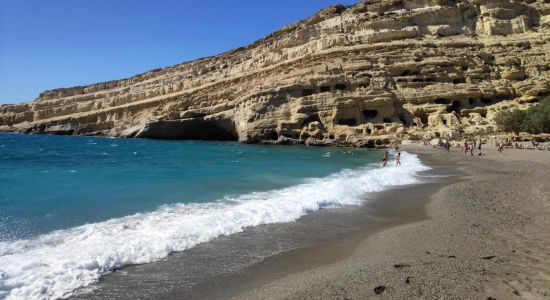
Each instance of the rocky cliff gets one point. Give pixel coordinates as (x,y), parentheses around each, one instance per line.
(360,75)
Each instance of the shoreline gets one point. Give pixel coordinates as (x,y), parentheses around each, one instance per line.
(224,261)
(387,211)
(464,236)
(484,236)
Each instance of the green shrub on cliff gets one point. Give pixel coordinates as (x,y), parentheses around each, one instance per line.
(534,120)
(511,120)
(538,118)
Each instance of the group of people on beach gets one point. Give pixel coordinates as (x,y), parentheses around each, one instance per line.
(531,144)
(397,158)
(471,147)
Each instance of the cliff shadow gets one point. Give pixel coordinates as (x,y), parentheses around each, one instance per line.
(190,129)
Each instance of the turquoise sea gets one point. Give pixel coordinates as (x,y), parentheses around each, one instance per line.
(75,208)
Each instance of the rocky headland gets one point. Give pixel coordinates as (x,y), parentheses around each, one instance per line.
(362,75)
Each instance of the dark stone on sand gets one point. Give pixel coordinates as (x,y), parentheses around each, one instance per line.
(452,256)
(491,298)
(488,257)
(379,289)
(516,292)
(400,266)
(408,280)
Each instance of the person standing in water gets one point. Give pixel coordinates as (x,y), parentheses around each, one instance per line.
(398,159)
(385,159)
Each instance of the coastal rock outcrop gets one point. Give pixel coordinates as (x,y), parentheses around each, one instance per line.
(361,75)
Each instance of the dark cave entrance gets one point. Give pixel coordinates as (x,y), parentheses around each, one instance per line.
(311,119)
(191,129)
(340,87)
(348,122)
(370,114)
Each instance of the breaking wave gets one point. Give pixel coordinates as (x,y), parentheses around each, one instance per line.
(56,264)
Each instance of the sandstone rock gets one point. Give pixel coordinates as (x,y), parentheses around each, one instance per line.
(435,142)
(360,75)
(316,142)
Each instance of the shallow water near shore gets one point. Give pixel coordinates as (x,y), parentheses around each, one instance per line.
(75,208)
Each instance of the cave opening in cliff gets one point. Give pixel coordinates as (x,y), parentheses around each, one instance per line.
(370,114)
(485,101)
(307,92)
(324,88)
(191,129)
(402,118)
(456,105)
(471,101)
(364,85)
(348,122)
(311,119)
(409,73)
(340,86)
(442,101)
(273,135)
(459,80)
(387,120)
(422,115)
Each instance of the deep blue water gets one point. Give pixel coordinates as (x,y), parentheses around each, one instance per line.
(57,182)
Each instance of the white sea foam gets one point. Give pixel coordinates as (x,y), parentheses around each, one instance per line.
(54,265)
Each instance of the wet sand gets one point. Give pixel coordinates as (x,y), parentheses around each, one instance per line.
(486,236)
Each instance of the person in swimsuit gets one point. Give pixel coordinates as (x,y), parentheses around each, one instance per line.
(385,159)
(398,159)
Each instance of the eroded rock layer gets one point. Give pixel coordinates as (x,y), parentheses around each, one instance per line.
(359,75)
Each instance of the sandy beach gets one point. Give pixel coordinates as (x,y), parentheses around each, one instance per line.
(484,235)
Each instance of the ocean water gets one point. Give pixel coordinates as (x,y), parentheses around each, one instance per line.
(75,208)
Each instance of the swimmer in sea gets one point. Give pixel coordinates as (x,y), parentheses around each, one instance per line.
(398,159)
(385,159)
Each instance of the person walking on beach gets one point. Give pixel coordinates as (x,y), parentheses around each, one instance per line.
(398,159)
(465,148)
(385,159)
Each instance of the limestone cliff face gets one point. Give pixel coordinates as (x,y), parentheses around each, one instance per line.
(360,75)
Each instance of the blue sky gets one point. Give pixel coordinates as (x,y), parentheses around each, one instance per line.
(63,43)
